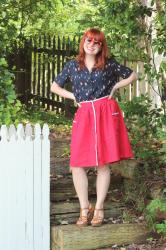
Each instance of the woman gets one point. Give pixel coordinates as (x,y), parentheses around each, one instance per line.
(99,135)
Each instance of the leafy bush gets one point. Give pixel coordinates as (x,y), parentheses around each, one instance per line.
(145,124)
(146,127)
(35,114)
(155,214)
(9,105)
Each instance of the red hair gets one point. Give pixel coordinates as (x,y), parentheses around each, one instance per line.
(102,55)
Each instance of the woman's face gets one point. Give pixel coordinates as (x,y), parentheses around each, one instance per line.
(92,46)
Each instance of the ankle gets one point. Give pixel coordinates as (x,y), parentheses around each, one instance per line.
(99,213)
(99,206)
(85,209)
(84,205)
(84,212)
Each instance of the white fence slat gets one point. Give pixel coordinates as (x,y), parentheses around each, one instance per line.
(12,131)
(37,189)
(12,212)
(4,133)
(28,130)
(45,188)
(29,196)
(24,188)
(3,189)
(17,189)
(22,166)
(20,131)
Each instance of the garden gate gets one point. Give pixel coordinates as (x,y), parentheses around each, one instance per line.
(37,60)
(24,188)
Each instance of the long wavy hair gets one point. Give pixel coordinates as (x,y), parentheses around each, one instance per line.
(102,55)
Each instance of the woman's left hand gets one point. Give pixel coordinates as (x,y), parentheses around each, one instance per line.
(112,92)
(77,103)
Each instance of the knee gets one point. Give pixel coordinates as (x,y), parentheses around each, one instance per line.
(77,170)
(103,169)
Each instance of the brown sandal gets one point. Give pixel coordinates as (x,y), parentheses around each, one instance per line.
(85,220)
(97,220)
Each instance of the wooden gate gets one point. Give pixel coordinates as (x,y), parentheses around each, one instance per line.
(37,62)
(24,188)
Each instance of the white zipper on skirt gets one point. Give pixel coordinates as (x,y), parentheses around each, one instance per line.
(95,132)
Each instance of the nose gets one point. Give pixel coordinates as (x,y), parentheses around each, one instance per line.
(91,43)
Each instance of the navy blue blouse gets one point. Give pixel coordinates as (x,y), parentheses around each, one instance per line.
(95,84)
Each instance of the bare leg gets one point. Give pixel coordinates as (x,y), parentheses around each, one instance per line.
(102,186)
(80,181)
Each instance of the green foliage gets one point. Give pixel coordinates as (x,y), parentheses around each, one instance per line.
(9,106)
(160,24)
(155,213)
(155,42)
(17,15)
(119,19)
(144,123)
(123,26)
(127,217)
(35,114)
(137,187)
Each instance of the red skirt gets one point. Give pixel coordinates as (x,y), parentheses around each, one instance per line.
(99,134)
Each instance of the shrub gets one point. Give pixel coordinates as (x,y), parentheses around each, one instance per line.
(155,214)
(145,124)
(9,105)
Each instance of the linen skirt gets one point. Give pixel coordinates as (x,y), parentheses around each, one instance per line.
(99,135)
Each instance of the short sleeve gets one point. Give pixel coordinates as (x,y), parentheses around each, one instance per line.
(120,70)
(64,76)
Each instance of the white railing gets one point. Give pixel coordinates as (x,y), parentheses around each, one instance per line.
(24,188)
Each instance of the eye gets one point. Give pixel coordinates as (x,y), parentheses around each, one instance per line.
(96,42)
(89,40)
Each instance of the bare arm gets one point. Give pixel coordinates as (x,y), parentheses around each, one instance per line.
(55,88)
(123,83)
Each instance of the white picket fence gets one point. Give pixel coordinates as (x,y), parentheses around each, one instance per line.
(24,188)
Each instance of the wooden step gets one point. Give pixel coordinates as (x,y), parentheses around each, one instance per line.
(69,211)
(71,237)
(125,168)
(63,188)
